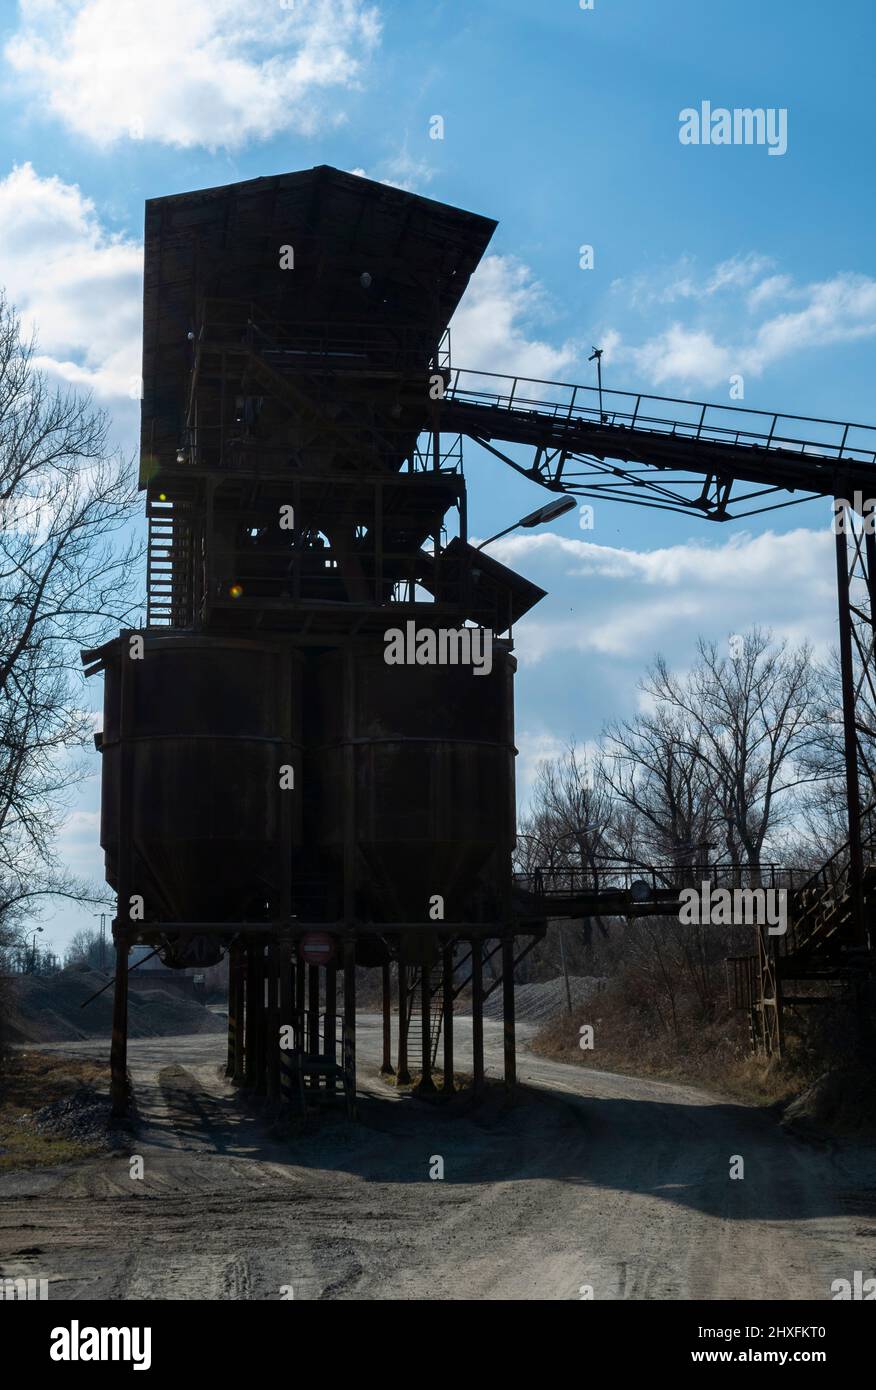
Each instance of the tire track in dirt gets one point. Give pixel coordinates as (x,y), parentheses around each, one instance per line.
(590,1179)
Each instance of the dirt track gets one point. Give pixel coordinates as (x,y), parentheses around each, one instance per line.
(591,1178)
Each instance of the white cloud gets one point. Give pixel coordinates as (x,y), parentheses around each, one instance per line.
(629,603)
(76,284)
(216,73)
(533,748)
(720,341)
(78,841)
(492,328)
(680,281)
(681,354)
(408,173)
(80,286)
(771,287)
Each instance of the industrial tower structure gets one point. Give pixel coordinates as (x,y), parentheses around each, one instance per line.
(272,786)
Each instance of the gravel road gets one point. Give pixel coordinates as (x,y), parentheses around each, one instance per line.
(589,1179)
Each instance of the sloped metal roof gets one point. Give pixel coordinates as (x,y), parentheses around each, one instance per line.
(224,243)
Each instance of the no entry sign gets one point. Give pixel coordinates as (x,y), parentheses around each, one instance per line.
(317,948)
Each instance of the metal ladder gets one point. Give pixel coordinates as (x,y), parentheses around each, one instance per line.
(414,1018)
(168,563)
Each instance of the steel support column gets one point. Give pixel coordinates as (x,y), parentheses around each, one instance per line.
(125,888)
(350,1025)
(232,1019)
(260,1020)
(427,1085)
(300,996)
(253,1010)
(331,1026)
(235,1012)
(403,1075)
(239,1072)
(313,1018)
(447,1021)
(508,1021)
(477,1015)
(284,1024)
(119,1044)
(272,1022)
(847,549)
(386,1067)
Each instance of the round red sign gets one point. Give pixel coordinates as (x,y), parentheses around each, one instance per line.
(317,948)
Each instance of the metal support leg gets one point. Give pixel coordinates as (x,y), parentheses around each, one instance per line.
(477,1015)
(272,1022)
(300,988)
(850,734)
(260,1013)
(119,1044)
(331,1015)
(239,976)
(126,793)
(447,991)
(403,1075)
(313,1017)
(234,1019)
(386,1067)
(508,1012)
(427,1085)
(252,1015)
(350,1026)
(288,1092)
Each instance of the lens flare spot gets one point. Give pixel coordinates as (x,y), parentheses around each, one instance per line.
(236,590)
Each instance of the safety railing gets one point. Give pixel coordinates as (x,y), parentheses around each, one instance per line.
(620,876)
(825,892)
(568,404)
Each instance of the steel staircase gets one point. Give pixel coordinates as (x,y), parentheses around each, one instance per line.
(169,558)
(414,1018)
(823,943)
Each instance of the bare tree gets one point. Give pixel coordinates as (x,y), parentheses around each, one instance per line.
(67,567)
(714,770)
(85,948)
(572,826)
(751,718)
(574,811)
(655,768)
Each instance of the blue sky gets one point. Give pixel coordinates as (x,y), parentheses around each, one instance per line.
(563,124)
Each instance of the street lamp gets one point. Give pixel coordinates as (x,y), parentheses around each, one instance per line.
(596,356)
(549,512)
(33,951)
(102,916)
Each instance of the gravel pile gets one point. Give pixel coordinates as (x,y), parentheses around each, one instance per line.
(536,1003)
(47,1009)
(83,1117)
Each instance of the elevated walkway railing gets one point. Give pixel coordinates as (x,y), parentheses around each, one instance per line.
(566,404)
(618,887)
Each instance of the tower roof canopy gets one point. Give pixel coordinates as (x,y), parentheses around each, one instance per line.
(356,252)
